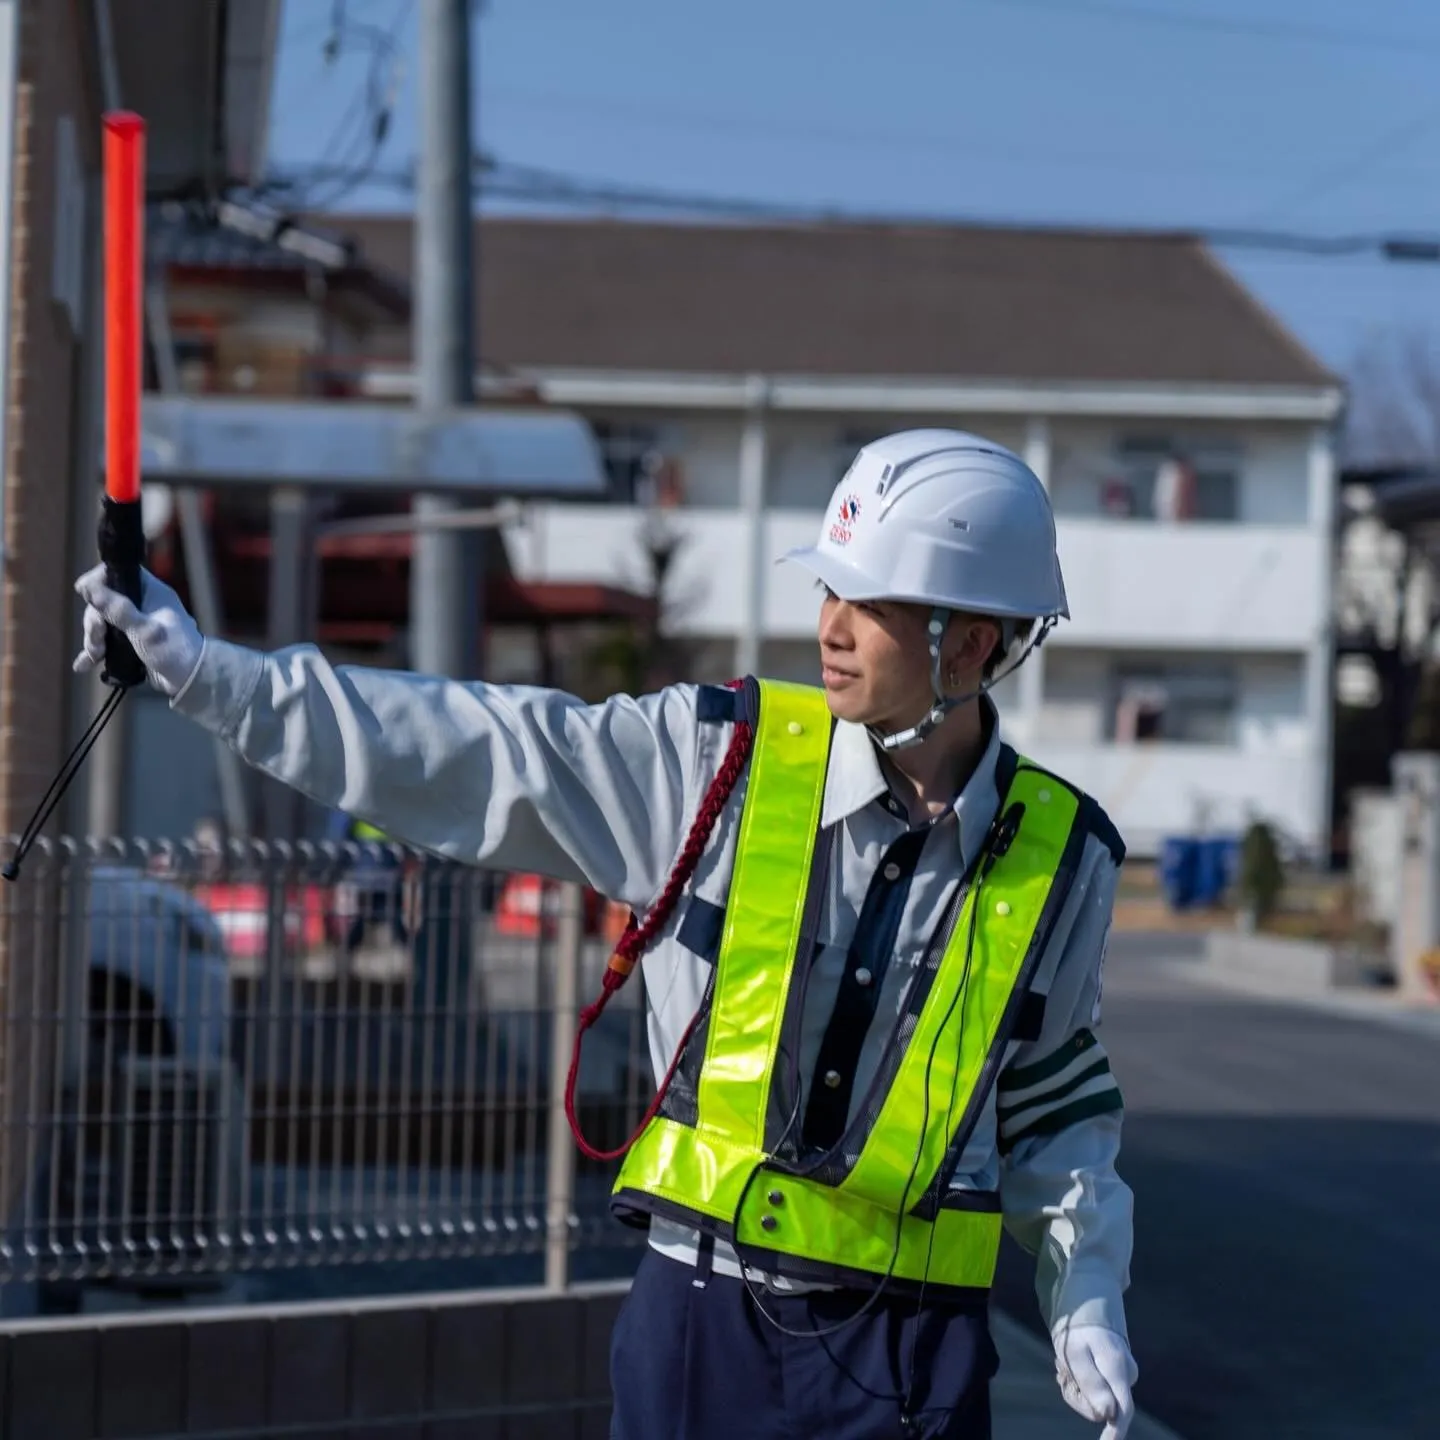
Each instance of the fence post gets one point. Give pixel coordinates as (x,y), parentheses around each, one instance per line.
(565,1007)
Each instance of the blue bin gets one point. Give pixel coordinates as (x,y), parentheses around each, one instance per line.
(1178,867)
(1215,861)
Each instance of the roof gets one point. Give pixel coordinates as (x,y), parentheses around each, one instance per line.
(856,300)
(233,238)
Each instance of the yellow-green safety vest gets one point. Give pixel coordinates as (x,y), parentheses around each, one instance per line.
(722,1154)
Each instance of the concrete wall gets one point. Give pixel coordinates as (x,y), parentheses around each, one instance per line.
(1376,852)
(491,1365)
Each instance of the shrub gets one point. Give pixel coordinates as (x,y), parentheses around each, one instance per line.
(1261,876)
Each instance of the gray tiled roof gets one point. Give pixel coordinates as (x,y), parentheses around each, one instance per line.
(861,300)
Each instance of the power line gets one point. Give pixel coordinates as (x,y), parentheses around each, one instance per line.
(497,180)
(356,143)
(1254,29)
(1379,150)
(960,147)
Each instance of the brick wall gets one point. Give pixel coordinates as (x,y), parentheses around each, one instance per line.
(45,380)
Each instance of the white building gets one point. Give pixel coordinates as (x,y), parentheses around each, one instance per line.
(1192,686)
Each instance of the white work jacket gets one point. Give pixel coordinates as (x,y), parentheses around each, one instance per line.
(534,780)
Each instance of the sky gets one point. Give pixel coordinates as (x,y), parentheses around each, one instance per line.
(1316,117)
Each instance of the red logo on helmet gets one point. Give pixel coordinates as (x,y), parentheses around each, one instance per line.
(842,530)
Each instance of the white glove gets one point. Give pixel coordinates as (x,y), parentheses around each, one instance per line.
(1096,1370)
(161,631)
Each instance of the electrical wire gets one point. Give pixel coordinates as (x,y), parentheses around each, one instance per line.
(982,149)
(534,185)
(351,156)
(1333,177)
(1236,26)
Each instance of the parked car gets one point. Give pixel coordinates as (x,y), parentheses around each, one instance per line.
(147,1153)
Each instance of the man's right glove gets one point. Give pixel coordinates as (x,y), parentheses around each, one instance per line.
(1096,1370)
(160,629)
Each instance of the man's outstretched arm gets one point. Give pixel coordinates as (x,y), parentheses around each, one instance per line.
(514,777)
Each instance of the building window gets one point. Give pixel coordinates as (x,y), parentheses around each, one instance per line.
(640,462)
(1187,704)
(1162,478)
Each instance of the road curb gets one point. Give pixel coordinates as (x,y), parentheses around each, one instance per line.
(1378,1007)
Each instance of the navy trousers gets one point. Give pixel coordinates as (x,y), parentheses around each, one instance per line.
(688,1363)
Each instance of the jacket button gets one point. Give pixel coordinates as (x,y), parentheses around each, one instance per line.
(776,1197)
(832,1078)
(768,1222)
(891,871)
(863,976)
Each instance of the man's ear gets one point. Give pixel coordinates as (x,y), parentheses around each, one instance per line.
(972,640)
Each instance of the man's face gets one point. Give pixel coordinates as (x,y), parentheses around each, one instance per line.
(875,660)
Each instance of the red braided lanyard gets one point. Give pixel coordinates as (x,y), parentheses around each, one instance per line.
(638,938)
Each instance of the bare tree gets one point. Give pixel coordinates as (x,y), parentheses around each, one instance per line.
(1393,419)
(1394,411)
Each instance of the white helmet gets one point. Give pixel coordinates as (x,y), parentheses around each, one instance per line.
(941,518)
(946,519)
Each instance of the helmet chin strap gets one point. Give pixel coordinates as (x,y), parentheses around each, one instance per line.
(944,704)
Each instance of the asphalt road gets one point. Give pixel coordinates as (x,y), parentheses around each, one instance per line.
(1286,1168)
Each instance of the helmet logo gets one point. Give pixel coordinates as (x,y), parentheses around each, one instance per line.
(842,531)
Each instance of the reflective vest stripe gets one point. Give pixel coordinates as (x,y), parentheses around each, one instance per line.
(830,1228)
(762,932)
(967,1001)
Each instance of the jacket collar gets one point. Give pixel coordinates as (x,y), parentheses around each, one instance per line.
(856,778)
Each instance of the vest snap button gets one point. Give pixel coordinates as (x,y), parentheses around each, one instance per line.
(863,976)
(768,1222)
(776,1197)
(832,1078)
(1002,907)
(795,728)
(891,871)
(1043,796)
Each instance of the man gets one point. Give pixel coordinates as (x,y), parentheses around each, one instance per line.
(874,939)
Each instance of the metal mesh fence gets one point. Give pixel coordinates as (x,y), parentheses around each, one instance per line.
(267,1055)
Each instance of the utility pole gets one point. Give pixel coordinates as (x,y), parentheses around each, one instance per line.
(754,463)
(445,578)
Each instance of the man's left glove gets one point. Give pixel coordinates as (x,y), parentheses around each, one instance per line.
(1096,1370)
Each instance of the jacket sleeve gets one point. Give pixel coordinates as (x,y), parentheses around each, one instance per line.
(1059,1112)
(513,777)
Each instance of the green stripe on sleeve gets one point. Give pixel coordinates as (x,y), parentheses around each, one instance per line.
(1106,1103)
(1027,1075)
(1005,1114)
